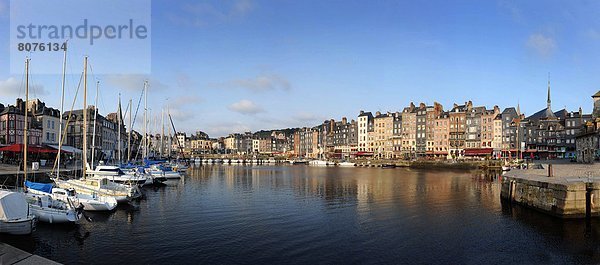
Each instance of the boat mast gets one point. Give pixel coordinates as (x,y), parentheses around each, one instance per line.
(170,135)
(62,103)
(26,123)
(129,135)
(119,130)
(145,150)
(162,133)
(84,151)
(95,122)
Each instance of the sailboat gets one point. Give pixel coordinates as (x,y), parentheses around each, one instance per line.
(46,208)
(92,202)
(156,169)
(95,186)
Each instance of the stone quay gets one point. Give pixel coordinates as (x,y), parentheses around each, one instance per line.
(561,190)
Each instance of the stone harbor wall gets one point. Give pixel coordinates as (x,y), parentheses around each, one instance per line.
(559,195)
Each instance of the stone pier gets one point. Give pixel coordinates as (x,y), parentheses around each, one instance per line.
(562,193)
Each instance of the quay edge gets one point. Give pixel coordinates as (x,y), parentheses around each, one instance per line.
(562,194)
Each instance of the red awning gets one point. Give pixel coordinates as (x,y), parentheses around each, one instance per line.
(478,151)
(18,148)
(363,154)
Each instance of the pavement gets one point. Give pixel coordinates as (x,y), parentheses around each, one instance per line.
(562,172)
(12,255)
(7,169)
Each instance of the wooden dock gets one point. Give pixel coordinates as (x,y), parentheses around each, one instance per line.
(12,255)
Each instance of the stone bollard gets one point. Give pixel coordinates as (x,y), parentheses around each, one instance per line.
(550,171)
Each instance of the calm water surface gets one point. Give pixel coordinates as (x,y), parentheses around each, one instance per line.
(308,215)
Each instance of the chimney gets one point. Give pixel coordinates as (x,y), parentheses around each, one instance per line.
(344,120)
(377,113)
(362,112)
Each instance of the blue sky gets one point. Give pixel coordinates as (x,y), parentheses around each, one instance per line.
(236,65)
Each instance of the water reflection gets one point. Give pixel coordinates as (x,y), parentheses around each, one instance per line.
(302,214)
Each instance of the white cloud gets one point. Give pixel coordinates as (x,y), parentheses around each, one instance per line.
(202,14)
(514,11)
(223,129)
(246,107)
(182,101)
(541,44)
(307,117)
(184,81)
(593,34)
(13,88)
(264,82)
(180,115)
(133,82)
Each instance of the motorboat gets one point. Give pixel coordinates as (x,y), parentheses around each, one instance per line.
(320,163)
(92,202)
(346,164)
(15,215)
(299,162)
(164,171)
(388,165)
(180,167)
(115,174)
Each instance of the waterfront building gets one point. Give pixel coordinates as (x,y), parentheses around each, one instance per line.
(432,113)
(487,127)
(200,146)
(441,137)
(12,122)
(543,133)
(116,120)
(574,123)
(255,146)
(303,142)
(409,131)
(75,134)
(397,135)
(479,131)
(473,129)
(457,129)
(365,125)
(233,143)
(497,136)
(382,135)
(421,130)
(48,118)
(345,138)
(587,141)
(509,132)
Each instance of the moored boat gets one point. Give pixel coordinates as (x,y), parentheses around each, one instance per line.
(92,202)
(15,215)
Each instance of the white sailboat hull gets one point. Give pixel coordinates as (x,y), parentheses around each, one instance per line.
(54,216)
(167,175)
(121,196)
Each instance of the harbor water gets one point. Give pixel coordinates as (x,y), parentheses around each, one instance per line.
(316,215)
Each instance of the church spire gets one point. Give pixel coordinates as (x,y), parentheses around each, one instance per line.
(549,101)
